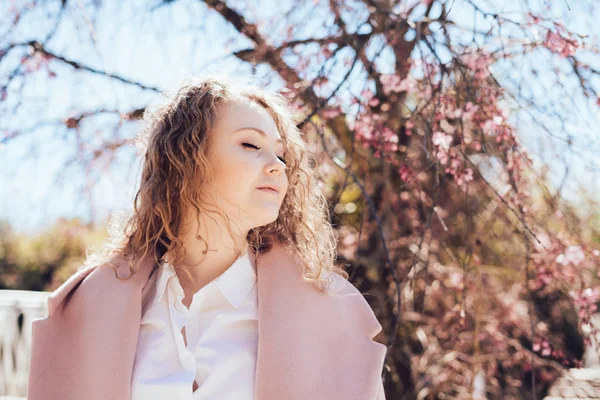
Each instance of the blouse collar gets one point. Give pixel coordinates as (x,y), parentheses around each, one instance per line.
(235,283)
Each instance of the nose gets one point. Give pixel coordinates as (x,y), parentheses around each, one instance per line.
(274,165)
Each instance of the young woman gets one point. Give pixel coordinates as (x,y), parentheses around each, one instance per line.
(222,283)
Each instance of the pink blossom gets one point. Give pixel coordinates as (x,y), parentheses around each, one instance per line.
(393,83)
(442,143)
(405,173)
(443,157)
(544,346)
(544,277)
(572,255)
(585,303)
(367,94)
(463,177)
(409,125)
(370,97)
(561,45)
(390,139)
(478,63)
(489,126)
(442,140)
(371,131)
(332,112)
(373,102)
(364,127)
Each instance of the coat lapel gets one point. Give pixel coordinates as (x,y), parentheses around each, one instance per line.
(311,345)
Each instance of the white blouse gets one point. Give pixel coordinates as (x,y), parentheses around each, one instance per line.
(221,329)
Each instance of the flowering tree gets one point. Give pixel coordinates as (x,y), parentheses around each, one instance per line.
(481,277)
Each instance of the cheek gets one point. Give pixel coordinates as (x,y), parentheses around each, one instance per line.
(285,187)
(286,183)
(234,173)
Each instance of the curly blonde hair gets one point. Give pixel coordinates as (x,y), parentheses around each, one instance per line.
(174,139)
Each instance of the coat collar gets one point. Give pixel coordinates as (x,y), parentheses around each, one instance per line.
(311,345)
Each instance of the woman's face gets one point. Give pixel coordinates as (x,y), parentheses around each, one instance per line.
(244,160)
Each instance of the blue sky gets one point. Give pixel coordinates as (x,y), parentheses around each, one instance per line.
(163,48)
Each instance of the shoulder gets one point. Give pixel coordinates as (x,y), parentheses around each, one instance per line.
(343,291)
(99,285)
(280,277)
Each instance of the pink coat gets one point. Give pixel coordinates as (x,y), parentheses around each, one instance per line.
(311,345)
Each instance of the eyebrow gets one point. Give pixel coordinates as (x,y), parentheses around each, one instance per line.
(257,130)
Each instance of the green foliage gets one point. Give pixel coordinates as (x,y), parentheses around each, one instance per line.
(46,259)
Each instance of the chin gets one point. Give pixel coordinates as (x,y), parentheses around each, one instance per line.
(266,220)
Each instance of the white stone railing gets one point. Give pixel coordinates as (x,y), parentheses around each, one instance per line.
(18,308)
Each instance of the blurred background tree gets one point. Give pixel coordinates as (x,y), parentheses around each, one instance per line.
(45,260)
(457,142)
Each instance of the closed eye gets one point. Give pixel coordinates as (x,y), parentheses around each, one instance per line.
(250,145)
(258,148)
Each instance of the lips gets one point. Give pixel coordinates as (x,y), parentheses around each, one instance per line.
(269,189)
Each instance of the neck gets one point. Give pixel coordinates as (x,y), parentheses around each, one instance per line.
(213,253)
